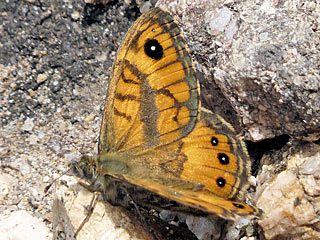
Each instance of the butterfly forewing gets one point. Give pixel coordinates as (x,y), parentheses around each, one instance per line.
(153,98)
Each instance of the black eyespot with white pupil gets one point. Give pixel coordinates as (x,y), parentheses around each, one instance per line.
(237,205)
(214,141)
(153,49)
(221,182)
(223,158)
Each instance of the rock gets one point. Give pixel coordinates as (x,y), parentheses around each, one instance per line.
(290,200)
(41,78)
(6,184)
(28,125)
(235,229)
(76,15)
(203,228)
(20,225)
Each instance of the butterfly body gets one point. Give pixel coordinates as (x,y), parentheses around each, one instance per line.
(157,146)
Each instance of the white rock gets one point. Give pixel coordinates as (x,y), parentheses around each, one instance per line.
(203,228)
(290,200)
(21,225)
(28,125)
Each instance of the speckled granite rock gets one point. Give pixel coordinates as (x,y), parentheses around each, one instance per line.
(264,56)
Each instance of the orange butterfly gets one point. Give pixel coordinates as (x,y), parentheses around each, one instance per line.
(157,145)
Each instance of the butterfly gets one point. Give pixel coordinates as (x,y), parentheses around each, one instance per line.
(157,145)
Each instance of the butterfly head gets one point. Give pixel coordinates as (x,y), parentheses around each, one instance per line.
(85,167)
(90,167)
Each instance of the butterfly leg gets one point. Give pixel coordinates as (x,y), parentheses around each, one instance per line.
(136,207)
(144,220)
(91,207)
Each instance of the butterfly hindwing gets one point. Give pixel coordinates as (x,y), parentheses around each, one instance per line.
(208,171)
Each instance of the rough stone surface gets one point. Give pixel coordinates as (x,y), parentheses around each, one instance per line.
(290,199)
(264,56)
